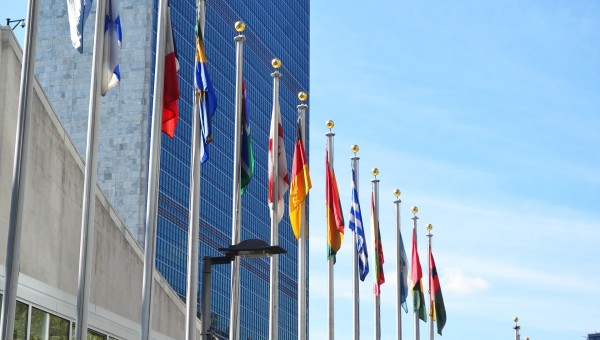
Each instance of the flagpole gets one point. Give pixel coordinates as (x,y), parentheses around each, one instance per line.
(431,307)
(194,210)
(375,187)
(330,300)
(399,264)
(355,288)
(415,218)
(517,328)
(15,224)
(89,188)
(234,304)
(274,269)
(153,171)
(302,259)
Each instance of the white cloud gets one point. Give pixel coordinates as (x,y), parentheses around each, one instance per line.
(458,282)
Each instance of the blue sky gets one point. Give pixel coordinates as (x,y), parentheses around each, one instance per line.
(486,114)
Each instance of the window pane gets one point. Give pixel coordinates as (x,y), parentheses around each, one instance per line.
(20,330)
(59,328)
(39,324)
(95,335)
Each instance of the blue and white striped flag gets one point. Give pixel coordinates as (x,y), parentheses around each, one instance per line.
(78,11)
(111,74)
(356,225)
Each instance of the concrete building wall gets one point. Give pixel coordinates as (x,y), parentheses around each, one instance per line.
(52,222)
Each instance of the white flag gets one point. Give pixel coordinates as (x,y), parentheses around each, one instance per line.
(283,182)
(78,12)
(111,74)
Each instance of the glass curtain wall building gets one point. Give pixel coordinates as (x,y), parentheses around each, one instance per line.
(273,29)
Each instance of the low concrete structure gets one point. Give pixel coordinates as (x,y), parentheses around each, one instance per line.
(52,223)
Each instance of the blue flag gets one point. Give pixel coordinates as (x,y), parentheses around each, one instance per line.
(204,85)
(356,225)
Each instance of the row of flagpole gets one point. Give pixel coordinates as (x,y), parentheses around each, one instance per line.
(201,137)
(335,234)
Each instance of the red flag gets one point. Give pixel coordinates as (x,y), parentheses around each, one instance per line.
(379,277)
(170,112)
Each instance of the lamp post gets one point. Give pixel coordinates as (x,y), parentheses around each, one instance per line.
(251,248)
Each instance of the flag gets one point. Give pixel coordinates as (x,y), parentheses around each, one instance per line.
(379,277)
(437,311)
(170,112)
(300,182)
(416,275)
(111,74)
(283,181)
(247,161)
(355,224)
(204,88)
(403,276)
(78,11)
(335,219)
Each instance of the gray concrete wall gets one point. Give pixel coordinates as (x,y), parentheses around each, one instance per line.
(52,215)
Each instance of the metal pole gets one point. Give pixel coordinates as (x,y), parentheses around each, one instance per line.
(15,223)
(194,210)
(330,300)
(429,236)
(375,185)
(206,290)
(399,267)
(153,171)
(234,304)
(89,184)
(417,330)
(355,287)
(302,258)
(274,269)
(207,263)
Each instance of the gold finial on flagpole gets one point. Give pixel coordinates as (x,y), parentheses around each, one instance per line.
(354,149)
(397,193)
(240,26)
(414,210)
(302,96)
(276,63)
(429,227)
(329,124)
(375,172)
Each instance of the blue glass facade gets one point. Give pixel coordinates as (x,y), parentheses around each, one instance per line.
(273,29)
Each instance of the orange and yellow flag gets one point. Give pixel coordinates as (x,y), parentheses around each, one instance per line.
(335,219)
(300,183)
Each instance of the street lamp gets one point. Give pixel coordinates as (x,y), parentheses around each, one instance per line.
(251,248)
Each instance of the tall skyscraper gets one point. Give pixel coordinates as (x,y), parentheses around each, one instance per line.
(274,29)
